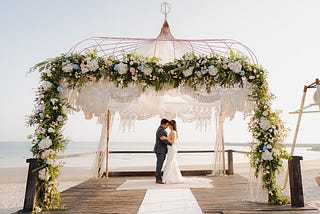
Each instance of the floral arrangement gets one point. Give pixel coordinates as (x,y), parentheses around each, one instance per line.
(268,152)
(191,70)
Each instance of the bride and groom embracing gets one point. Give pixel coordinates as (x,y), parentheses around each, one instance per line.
(166,144)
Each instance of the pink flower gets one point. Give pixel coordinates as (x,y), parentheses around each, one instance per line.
(132,70)
(93,79)
(198,73)
(225,66)
(109,63)
(45,154)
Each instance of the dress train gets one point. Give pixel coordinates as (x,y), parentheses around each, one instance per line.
(172,173)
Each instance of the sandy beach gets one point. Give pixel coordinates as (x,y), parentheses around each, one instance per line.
(13,182)
(13,185)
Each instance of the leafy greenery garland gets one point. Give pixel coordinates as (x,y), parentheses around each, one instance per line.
(196,72)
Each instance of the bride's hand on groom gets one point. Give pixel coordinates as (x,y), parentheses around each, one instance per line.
(163,138)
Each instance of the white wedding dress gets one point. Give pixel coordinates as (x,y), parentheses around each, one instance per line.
(171,170)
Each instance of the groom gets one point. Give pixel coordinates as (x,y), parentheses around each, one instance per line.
(160,148)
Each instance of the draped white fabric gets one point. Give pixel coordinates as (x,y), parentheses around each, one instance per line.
(219,160)
(98,167)
(133,104)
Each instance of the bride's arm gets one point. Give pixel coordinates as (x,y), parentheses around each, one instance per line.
(171,138)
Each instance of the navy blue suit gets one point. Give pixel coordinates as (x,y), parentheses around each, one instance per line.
(160,148)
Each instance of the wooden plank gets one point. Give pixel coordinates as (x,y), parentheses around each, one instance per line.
(230,195)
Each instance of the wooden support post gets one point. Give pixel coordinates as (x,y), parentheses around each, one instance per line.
(297,130)
(230,162)
(223,151)
(107,145)
(296,190)
(31,187)
(318,90)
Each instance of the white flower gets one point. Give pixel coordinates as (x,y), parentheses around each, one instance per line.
(50,162)
(212,70)
(67,67)
(235,66)
(46,85)
(264,123)
(37,209)
(280,162)
(188,72)
(269,146)
(266,155)
(44,174)
(257,161)
(123,68)
(160,70)
(49,73)
(40,130)
(64,109)
(276,152)
(45,143)
(50,130)
(147,70)
(41,107)
(54,101)
(92,65)
(84,68)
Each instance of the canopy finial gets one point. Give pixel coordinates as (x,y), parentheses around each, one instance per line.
(165,9)
(165,33)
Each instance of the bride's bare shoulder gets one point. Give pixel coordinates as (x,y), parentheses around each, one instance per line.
(174,133)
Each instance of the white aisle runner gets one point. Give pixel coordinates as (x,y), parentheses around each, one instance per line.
(169,201)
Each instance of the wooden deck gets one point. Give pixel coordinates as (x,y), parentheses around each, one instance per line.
(229,196)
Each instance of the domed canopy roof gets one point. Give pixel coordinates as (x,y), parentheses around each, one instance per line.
(164,46)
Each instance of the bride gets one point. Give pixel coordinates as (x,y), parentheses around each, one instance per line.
(171,171)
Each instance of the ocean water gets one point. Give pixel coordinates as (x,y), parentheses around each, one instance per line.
(14,154)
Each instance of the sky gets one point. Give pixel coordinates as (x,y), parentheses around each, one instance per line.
(284,35)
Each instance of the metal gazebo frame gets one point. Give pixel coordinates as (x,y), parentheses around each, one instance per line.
(115,46)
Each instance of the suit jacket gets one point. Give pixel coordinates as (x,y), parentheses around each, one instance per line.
(161,145)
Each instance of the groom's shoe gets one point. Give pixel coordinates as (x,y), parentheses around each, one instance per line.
(159,181)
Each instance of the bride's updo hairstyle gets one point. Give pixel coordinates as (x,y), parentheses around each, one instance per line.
(173,123)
